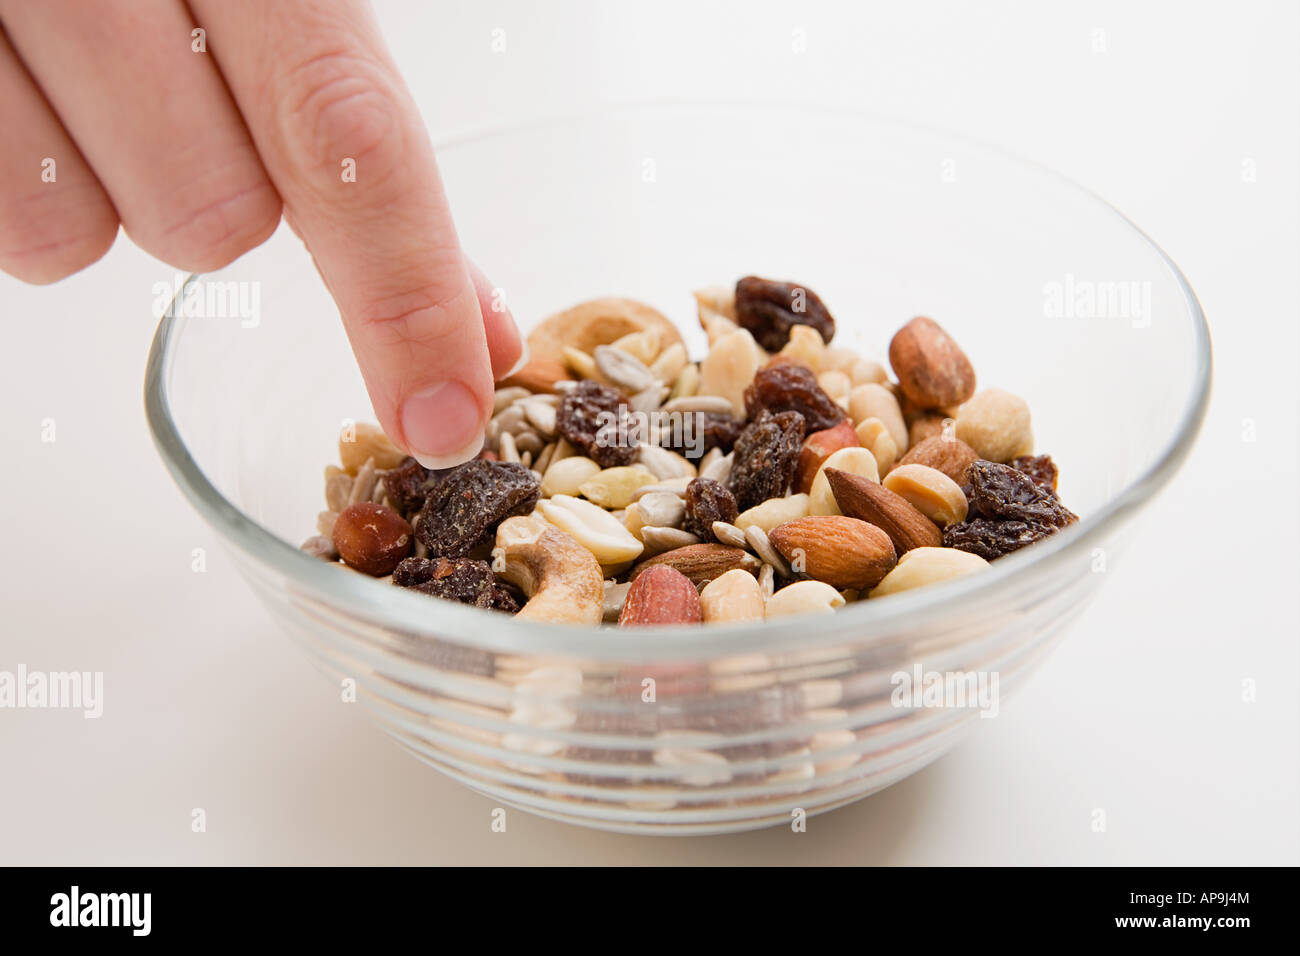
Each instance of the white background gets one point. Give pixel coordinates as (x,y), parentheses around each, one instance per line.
(1163,108)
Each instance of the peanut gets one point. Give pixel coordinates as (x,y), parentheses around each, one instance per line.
(996,425)
(856,461)
(567,475)
(806,347)
(360,442)
(733,597)
(875,437)
(930,491)
(877,401)
(946,454)
(922,566)
(773,512)
(613,487)
(593,527)
(729,368)
(804,597)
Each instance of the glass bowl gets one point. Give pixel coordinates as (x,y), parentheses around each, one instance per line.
(1054,295)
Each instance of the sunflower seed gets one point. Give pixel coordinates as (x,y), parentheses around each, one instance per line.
(544,458)
(729,534)
(505,397)
(541,414)
(364,484)
(713,404)
(319,546)
(675,485)
(761,546)
(615,596)
(662,509)
(338,490)
(648,400)
(665,464)
(507,448)
(719,469)
(325,523)
(659,540)
(767,581)
(623,368)
(512,420)
(529,441)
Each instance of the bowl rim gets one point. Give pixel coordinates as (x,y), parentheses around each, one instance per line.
(356,595)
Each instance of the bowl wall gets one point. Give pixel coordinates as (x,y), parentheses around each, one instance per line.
(1053,295)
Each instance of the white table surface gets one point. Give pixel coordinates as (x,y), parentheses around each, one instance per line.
(1139,713)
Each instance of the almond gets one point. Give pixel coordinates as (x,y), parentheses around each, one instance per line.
(840,551)
(952,456)
(819,446)
(701,563)
(539,375)
(932,369)
(662,595)
(893,514)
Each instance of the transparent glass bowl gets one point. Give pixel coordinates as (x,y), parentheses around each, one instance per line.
(747,724)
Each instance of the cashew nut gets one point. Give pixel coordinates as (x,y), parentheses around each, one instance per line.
(560,577)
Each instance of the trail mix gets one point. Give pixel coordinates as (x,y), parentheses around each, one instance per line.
(779,475)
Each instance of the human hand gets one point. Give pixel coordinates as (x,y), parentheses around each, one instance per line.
(197,142)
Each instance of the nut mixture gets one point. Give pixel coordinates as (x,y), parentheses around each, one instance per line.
(779,475)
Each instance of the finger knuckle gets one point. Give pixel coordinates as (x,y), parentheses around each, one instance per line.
(217,225)
(336,107)
(44,238)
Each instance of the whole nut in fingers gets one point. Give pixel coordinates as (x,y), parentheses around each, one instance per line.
(855,461)
(360,442)
(949,455)
(702,563)
(930,491)
(732,598)
(661,595)
(922,566)
(876,401)
(932,369)
(869,501)
(996,425)
(819,446)
(804,597)
(559,576)
(842,552)
(771,310)
(372,538)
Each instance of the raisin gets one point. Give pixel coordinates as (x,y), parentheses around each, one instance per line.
(765,456)
(991,539)
(708,501)
(589,418)
(409,484)
(1007,511)
(1040,468)
(792,388)
(464,509)
(770,309)
(708,430)
(1000,491)
(456,579)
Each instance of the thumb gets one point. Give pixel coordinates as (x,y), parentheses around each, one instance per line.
(345,147)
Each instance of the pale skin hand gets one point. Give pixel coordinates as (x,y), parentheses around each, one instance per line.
(198,154)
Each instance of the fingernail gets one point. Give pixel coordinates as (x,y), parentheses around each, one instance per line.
(442,425)
(523,360)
